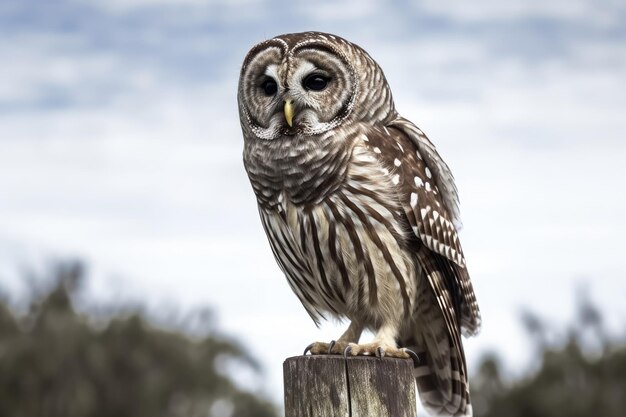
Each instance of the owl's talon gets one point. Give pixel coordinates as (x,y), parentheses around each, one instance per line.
(347,351)
(330,346)
(380,352)
(308,348)
(413,355)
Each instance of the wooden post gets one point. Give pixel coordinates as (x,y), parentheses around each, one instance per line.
(360,386)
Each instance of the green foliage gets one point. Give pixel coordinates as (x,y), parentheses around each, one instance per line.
(570,381)
(55,362)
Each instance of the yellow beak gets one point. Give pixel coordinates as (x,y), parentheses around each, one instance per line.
(289,112)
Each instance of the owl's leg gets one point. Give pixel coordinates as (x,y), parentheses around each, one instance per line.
(384,344)
(351,335)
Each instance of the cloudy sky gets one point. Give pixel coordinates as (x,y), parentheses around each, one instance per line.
(120,145)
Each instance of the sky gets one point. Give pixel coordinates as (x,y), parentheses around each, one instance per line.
(120,145)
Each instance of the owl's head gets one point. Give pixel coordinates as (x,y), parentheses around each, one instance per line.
(307,84)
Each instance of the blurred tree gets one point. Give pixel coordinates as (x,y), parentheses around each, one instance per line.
(570,381)
(55,362)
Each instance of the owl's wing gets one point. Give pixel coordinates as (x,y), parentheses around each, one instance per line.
(442,175)
(428,196)
(427,191)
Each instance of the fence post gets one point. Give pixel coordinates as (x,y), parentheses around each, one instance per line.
(360,386)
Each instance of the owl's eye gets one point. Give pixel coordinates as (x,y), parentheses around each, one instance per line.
(269,87)
(315,82)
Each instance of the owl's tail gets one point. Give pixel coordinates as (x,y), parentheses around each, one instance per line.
(441,375)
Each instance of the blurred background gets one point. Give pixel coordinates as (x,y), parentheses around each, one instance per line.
(134,272)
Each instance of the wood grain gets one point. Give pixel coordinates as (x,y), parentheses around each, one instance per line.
(331,385)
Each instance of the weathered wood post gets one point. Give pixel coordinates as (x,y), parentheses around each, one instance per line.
(360,386)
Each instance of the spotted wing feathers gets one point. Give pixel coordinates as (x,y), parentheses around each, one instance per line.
(441,173)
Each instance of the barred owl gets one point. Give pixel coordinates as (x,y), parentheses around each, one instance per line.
(360,210)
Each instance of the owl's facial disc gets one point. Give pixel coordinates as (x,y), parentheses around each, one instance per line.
(306,91)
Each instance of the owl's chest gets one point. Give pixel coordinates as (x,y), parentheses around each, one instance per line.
(347,251)
(303,171)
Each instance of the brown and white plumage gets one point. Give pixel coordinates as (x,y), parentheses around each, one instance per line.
(360,210)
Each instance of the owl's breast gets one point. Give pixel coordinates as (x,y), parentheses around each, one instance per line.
(304,170)
(347,254)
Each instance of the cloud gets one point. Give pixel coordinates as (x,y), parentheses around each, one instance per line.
(603,13)
(125,6)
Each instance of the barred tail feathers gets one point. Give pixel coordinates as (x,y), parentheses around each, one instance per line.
(441,376)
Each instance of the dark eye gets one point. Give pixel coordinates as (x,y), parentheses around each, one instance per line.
(315,82)
(269,87)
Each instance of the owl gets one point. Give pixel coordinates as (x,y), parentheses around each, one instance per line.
(360,210)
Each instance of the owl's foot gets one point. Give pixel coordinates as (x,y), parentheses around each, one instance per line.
(380,351)
(321,348)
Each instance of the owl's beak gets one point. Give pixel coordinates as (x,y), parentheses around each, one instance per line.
(289,112)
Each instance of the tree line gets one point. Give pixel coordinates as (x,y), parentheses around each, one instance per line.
(56,361)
